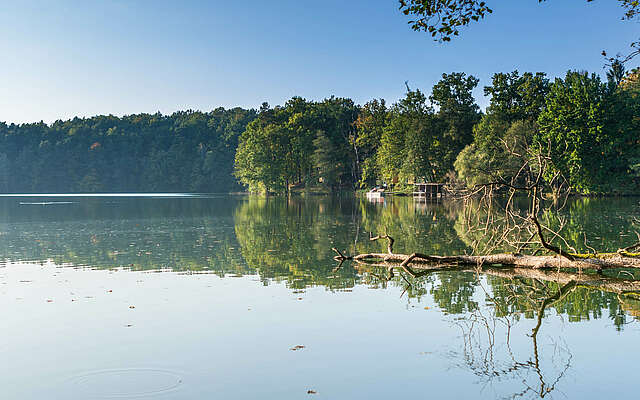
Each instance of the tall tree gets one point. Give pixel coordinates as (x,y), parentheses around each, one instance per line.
(587,129)
(301,142)
(369,126)
(503,137)
(515,97)
(411,146)
(458,112)
(263,153)
(324,161)
(616,73)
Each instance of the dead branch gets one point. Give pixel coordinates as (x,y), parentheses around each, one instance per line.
(547,245)
(389,245)
(633,247)
(340,256)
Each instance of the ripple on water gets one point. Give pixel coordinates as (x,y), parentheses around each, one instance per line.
(127,383)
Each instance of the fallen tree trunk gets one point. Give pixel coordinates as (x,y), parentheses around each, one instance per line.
(581,262)
(573,261)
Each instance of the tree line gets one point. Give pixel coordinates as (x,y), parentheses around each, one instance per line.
(586,127)
(187,151)
(337,144)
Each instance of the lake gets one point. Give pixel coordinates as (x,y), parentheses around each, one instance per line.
(233,297)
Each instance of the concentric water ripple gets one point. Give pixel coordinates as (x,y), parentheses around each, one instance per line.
(127,383)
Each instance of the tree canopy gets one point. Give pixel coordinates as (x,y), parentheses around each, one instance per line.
(586,129)
(443,19)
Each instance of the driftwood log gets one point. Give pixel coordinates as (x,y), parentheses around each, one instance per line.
(560,260)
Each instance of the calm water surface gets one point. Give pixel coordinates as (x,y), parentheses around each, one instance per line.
(229,297)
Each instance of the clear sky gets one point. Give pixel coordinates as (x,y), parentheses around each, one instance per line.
(62,59)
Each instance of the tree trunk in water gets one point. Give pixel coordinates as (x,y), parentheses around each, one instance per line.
(563,260)
(581,262)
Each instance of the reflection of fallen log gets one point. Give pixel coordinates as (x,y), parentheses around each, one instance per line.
(598,261)
(602,283)
(529,273)
(598,282)
(482,355)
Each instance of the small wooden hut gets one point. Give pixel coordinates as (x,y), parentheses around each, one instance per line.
(428,190)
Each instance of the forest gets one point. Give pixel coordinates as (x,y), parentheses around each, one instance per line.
(184,152)
(586,126)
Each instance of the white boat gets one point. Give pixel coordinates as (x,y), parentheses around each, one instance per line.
(375,194)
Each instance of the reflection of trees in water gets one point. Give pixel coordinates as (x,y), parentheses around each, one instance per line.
(522,295)
(183,235)
(428,227)
(290,239)
(579,224)
(510,371)
(489,332)
(287,238)
(517,293)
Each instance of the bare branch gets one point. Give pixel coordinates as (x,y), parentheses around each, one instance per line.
(389,238)
(547,245)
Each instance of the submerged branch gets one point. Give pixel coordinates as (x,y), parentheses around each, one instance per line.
(340,256)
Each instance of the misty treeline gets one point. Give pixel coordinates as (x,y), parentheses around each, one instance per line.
(587,127)
(185,152)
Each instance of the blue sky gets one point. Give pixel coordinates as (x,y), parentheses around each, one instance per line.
(62,59)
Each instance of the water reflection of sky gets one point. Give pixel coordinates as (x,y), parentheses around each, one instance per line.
(78,333)
(205,298)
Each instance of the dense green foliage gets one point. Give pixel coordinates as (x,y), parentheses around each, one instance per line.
(505,132)
(587,128)
(579,132)
(370,125)
(336,144)
(298,144)
(584,129)
(186,151)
